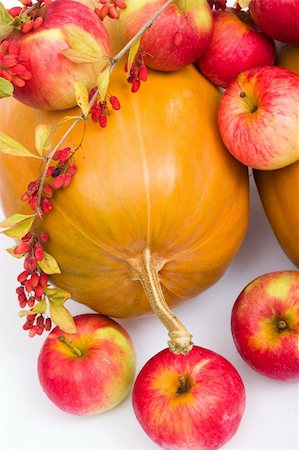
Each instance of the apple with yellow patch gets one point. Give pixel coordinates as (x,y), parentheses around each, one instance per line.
(177,37)
(265,324)
(194,401)
(88,372)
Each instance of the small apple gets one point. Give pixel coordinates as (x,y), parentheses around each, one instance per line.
(177,37)
(277,18)
(189,402)
(88,372)
(258,118)
(265,324)
(289,58)
(236,46)
(65,24)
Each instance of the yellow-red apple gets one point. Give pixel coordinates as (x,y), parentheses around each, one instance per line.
(88,372)
(236,46)
(258,117)
(53,74)
(265,324)
(178,36)
(189,402)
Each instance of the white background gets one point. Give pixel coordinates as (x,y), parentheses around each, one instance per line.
(29,421)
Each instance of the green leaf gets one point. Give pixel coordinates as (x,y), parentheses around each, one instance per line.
(49,264)
(43,138)
(132,53)
(11,147)
(103,83)
(5,30)
(14,219)
(12,253)
(244,3)
(40,307)
(5,17)
(6,88)
(57,295)
(83,46)
(81,94)
(61,317)
(19,230)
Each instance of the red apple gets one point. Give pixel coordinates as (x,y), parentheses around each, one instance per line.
(277,18)
(177,38)
(258,118)
(53,74)
(265,324)
(236,46)
(189,402)
(88,372)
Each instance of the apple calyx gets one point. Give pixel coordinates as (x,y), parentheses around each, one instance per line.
(184,386)
(281,325)
(146,270)
(77,352)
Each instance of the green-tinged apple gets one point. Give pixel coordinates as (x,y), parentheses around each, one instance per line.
(88,372)
(258,118)
(70,45)
(192,402)
(236,46)
(277,18)
(265,324)
(177,37)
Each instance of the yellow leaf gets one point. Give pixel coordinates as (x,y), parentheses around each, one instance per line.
(61,317)
(132,54)
(83,46)
(12,253)
(5,30)
(43,138)
(14,219)
(6,88)
(5,17)
(81,94)
(244,3)
(11,147)
(103,83)
(49,264)
(20,229)
(57,295)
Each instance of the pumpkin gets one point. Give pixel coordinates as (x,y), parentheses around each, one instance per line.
(279,189)
(156,190)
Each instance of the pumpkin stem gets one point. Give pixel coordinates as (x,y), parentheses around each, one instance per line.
(180,339)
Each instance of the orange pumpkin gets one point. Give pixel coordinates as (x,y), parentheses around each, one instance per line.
(279,189)
(157,178)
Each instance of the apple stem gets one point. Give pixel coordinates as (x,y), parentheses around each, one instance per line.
(75,349)
(145,269)
(251,106)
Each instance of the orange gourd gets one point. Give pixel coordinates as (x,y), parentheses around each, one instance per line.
(155,191)
(279,189)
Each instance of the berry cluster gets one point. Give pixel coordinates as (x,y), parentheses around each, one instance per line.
(32,282)
(138,72)
(12,64)
(100,110)
(30,14)
(59,175)
(217,4)
(109,8)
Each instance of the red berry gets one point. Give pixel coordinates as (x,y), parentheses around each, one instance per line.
(28,286)
(67,180)
(44,236)
(65,154)
(31,317)
(135,86)
(120,4)
(48,191)
(39,290)
(23,277)
(32,332)
(104,12)
(48,324)
(27,237)
(4,46)
(26,27)
(113,13)
(8,61)
(22,248)
(46,205)
(13,48)
(143,73)
(34,280)
(19,69)
(39,252)
(18,82)
(50,171)
(43,279)
(31,302)
(26,76)
(30,263)
(28,326)
(33,203)
(37,23)
(71,170)
(103,120)
(114,102)
(58,182)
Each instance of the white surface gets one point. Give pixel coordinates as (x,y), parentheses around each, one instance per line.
(29,421)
